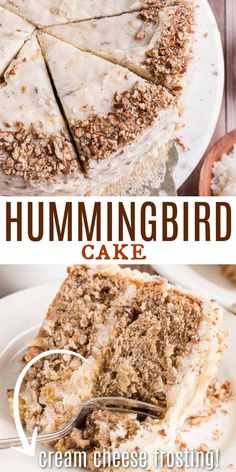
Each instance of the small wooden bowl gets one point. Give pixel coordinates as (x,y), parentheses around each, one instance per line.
(223,146)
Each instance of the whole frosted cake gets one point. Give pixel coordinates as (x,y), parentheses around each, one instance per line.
(89,106)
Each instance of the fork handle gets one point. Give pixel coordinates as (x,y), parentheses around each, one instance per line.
(16,442)
(10,442)
(41,438)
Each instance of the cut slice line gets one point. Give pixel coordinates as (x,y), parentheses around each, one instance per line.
(154,44)
(35,146)
(116,117)
(14,32)
(47,12)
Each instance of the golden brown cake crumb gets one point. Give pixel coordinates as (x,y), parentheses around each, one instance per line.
(153,334)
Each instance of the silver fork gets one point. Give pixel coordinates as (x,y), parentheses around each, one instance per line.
(117,404)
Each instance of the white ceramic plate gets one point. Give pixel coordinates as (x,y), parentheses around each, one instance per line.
(204,94)
(207,280)
(20,316)
(18,277)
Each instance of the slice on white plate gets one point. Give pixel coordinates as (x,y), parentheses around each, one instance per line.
(153,43)
(49,12)
(36,150)
(14,31)
(116,117)
(30,306)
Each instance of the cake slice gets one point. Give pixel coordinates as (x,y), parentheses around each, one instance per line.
(36,153)
(144,339)
(14,31)
(116,118)
(153,43)
(49,12)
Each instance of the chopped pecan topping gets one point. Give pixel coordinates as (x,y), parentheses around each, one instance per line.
(35,155)
(168,60)
(134,111)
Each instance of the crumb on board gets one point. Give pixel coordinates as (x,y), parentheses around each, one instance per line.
(179,142)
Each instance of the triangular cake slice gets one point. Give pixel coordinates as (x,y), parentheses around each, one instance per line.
(50,12)
(14,31)
(116,117)
(36,154)
(154,43)
(143,338)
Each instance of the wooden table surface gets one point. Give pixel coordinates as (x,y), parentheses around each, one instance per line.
(225,13)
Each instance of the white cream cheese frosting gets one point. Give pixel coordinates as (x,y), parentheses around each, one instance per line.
(85,83)
(27,94)
(115,38)
(48,12)
(14,31)
(35,146)
(150,43)
(86,86)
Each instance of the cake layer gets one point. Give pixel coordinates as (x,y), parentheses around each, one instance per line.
(35,146)
(81,319)
(49,12)
(154,43)
(14,31)
(116,118)
(143,338)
